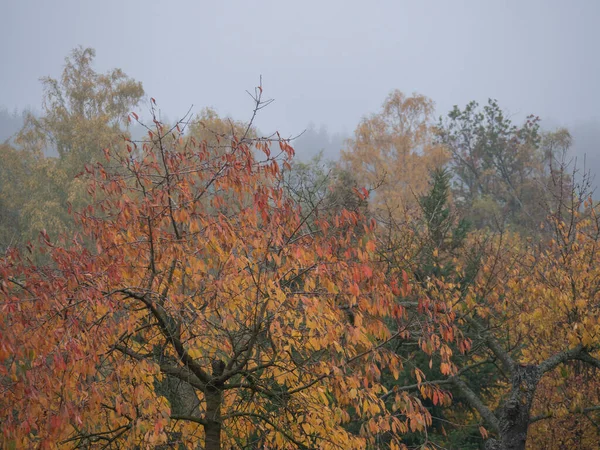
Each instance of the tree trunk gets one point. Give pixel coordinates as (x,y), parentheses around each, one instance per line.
(212,429)
(514,414)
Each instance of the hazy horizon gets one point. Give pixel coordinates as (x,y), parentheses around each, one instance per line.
(328,63)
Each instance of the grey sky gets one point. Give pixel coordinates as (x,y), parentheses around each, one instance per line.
(329,62)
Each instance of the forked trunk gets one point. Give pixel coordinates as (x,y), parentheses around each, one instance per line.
(515,412)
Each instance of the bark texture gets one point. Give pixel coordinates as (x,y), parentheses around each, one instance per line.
(514,415)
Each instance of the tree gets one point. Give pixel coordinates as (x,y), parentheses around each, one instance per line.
(499,167)
(393,151)
(34,196)
(13,173)
(275,335)
(543,301)
(431,246)
(217,132)
(324,189)
(83,112)
(527,308)
(532,314)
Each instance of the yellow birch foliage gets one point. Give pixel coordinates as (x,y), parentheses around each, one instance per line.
(393,152)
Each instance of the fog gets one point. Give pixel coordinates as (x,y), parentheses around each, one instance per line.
(326,63)
(188,284)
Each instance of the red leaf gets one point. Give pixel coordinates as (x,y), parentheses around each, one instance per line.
(484,433)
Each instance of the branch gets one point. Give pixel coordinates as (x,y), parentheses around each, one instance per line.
(476,403)
(584,356)
(164,324)
(493,345)
(579,353)
(198,420)
(488,339)
(471,397)
(410,387)
(235,366)
(181,373)
(287,435)
(345,363)
(550,414)
(449,380)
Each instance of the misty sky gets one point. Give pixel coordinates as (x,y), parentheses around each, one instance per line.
(327,62)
